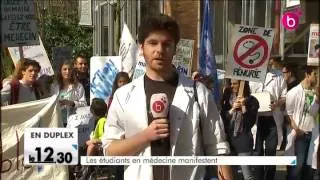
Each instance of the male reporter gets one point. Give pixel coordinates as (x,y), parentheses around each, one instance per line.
(132,128)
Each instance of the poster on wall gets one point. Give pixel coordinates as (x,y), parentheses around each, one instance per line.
(314,45)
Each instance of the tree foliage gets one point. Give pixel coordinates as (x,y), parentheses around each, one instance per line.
(59,32)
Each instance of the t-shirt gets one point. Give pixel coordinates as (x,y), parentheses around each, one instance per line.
(26,93)
(308,121)
(160,147)
(99,130)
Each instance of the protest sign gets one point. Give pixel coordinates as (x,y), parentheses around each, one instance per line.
(82,120)
(314,45)
(127,51)
(59,55)
(36,52)
(18,23)
(41,113)
(140,68)
(103,70)
(250,52)
(183,58)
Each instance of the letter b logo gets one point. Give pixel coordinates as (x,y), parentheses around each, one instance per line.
(290,20)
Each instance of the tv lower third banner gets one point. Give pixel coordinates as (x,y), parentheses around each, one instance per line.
(189,160)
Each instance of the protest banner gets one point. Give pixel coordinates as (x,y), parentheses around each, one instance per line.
(59,55)
(140,68)
(36,52)
(82,120)
(14,119)
(103,70)
(314,45)
(127,51)
(18,23)
(183,58)
(250,52)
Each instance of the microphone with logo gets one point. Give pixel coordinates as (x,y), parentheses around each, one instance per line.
(159,106)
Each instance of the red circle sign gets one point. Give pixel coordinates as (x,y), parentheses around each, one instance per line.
(260,43)
(158,106)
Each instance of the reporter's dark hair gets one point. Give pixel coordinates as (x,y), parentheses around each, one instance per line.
(158,23)
(98,107)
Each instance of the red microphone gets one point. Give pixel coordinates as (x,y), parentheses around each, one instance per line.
(159,105)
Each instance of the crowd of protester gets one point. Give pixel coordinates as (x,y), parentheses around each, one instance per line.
(292,124)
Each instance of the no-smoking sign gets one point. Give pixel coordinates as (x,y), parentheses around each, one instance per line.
(250,53)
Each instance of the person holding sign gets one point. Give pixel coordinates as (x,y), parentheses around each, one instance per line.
(157,114)
(302,106)
(270,122)
(239,114)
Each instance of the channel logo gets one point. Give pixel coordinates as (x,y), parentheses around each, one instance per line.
(290,20)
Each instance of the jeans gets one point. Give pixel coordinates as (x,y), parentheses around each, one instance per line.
(301,147)
(248,172)
(266,133)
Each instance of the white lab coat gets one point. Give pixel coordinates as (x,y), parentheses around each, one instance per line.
(313,148)
(128,115)
(294,105)
(276,85)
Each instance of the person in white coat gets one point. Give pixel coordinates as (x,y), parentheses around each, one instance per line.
(131,130)
(269,124)
(302,105)
(71,92)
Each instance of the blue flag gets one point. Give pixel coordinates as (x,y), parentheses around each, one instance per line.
(207,57)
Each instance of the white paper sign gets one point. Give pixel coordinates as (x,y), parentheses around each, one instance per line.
(264,101)
(36,52)
(82,120)
(18,23)
(250,52)
(314,45)
(140,68)
(127,51)
(183,58)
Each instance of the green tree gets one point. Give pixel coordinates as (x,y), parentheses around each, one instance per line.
(59,32)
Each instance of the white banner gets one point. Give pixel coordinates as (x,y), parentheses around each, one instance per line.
(103,70)
(314,45)
(82,120)
(14,119)
(250,52)
(188,160)
(18,23)
(183,58)
(128,51)
(37,53)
